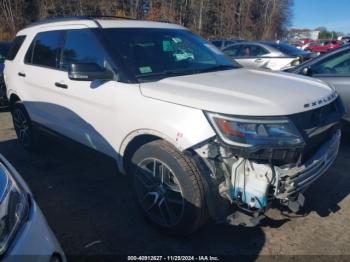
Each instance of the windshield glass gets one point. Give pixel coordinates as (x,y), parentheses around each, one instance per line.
(4,48)
(153,54)
(288,49)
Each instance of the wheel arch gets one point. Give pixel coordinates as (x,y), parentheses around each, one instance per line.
(13,98)
(134,141)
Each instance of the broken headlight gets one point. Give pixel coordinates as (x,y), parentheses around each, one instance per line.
(13,207)
(254,132)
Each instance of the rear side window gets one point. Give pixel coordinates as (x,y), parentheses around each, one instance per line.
(233,51)
(251,51)
(45,49)
(16,45)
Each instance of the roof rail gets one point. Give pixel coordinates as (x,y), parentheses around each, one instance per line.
(75,18)
(111,17)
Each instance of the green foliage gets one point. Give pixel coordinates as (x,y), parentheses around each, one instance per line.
(327,35)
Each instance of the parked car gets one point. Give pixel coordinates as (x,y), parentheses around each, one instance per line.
(222,43)
(333,68)
(268,55)
(201,136)
(345,40)
(4,48)
(324,46)
(24,232)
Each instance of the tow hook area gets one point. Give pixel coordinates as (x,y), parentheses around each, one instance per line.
(239,218)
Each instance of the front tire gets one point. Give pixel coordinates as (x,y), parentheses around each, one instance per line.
(26,134)
(168,188)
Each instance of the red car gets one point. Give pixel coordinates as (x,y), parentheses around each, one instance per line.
(324,46)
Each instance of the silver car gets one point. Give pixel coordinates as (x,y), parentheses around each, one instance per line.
(269,55)
(24,233)
(334,68)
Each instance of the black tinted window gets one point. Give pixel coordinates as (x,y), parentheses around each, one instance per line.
(82,47)
(217,43)
(16,45)
(152,54)
(257,50)
(46,49)
(4,48)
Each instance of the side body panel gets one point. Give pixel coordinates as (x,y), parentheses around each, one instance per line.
(342,85)
(103,116)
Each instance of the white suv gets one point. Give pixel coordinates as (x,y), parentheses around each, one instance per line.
(201,136)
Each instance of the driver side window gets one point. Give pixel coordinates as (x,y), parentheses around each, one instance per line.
(81,47)
(336,65)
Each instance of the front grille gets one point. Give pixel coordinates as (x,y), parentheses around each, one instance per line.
(318,126)
(313,168)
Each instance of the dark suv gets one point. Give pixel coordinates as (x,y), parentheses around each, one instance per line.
(4,48)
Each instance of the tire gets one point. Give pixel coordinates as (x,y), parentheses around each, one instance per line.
(3,99)
(176,205)
(26,133)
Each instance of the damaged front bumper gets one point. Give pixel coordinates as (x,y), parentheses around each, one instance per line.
(250,186)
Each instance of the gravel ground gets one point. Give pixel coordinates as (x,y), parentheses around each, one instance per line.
(86,200)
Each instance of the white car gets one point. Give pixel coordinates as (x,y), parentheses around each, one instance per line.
(266,55)
(24,233)
(201,136)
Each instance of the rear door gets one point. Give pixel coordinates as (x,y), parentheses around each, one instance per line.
(335,69)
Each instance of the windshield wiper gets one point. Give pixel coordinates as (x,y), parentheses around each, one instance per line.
(170,73)
(217,68)
(165,74)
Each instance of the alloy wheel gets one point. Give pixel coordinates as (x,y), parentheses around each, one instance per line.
(21,125)
(159,192)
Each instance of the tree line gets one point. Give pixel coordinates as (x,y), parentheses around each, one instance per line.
(248,19)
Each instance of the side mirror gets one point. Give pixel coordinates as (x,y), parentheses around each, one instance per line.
(306,71)
(88,72)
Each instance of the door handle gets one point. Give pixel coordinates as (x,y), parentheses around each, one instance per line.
(60,85)
(258,60)
(22,74)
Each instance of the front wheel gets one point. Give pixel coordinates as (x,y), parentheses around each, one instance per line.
(168,188)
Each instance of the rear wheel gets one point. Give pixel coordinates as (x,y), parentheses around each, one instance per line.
(168,188)
(3,99)
(26,134)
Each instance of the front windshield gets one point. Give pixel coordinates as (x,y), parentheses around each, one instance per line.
(4,48)
(288,49)
(153,54)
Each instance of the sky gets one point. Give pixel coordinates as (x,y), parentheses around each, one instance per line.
(332,14)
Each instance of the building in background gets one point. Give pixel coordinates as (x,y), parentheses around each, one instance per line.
(300,34)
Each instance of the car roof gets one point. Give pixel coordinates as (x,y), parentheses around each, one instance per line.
(92,22)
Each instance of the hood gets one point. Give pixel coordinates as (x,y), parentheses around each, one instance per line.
(242,92)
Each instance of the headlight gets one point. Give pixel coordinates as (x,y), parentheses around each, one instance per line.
(250,132)
(13,207)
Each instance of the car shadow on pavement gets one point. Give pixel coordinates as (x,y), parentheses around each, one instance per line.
(91,207)
(86,201)
(324,195)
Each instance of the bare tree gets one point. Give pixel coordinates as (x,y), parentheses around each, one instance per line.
(250,19)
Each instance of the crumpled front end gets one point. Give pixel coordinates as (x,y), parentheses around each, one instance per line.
(250,181)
